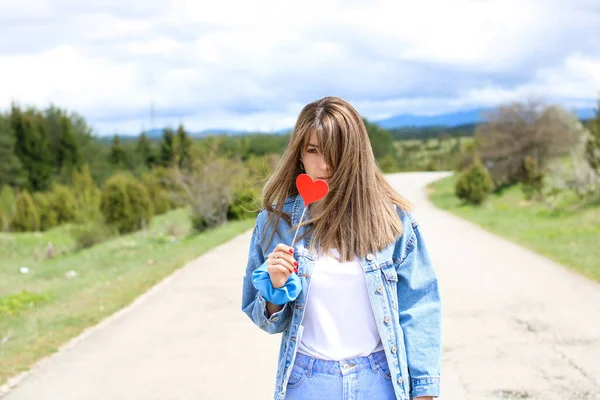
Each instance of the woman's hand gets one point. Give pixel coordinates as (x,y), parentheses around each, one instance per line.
(280,265)
(424,398)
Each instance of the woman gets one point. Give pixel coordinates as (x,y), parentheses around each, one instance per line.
(370,328)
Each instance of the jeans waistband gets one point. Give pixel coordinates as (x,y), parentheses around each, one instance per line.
(312,364)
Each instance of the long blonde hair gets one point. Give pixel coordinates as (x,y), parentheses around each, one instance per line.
(358,215)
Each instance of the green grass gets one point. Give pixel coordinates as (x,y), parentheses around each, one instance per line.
(42,309)
(569,235)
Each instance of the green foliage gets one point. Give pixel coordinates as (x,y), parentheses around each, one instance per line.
(117,153)
(145,151)
(15,303)
(381,140)
(474,184)
(125,204)
(26,218)
(11,169)
(184,146)
(245,204)
(48,215)
(7,207)
(68,154)
(157,185)
(429,132)
(32,147)
(533,178)
(388,163)
(64,203)
(166,156)
(592,146)
(87,195)
(208,188)
(91,232)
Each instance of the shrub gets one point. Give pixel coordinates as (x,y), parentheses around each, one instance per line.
(26,218)
(90,233)
(431,165)
(63,201)
(515,131)
(125,204)
(533,179)
(388,163)
(13,304)
(474,184)
(7,207)
(48,216)
(245,204)
(87,195)
(208,188)
(156,184)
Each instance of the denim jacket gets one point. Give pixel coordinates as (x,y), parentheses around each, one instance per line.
(404,296)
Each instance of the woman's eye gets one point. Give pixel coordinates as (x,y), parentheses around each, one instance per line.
(314,151)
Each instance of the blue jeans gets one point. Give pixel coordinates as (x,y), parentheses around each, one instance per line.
(361,378)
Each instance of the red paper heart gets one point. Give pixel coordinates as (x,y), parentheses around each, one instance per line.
(310,190)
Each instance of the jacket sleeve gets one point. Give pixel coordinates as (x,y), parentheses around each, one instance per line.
(420,314)
(253,304)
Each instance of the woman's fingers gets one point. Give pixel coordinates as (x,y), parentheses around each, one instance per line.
(280,259)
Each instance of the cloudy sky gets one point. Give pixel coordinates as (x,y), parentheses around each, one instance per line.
(254,64)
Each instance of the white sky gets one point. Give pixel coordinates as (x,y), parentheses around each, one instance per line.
(254,64)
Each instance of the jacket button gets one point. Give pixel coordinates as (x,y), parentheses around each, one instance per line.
(400,380)
(387,320)
(379,289)
(394,349)
(370,257)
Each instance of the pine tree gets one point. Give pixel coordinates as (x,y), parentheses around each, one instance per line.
(184,147)
(68,154)
(117,153)
(167,148)
(11,170)
(144,150)
(32,147)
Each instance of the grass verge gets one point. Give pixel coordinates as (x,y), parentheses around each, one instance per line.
(57,298)
(569,235)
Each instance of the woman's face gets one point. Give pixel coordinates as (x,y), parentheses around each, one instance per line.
(314,161)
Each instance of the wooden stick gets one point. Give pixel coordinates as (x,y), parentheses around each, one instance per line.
(302,216)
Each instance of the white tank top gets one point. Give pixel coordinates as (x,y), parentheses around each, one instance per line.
(338,319)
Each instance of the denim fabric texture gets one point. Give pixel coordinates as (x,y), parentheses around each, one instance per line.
(361,378)
(404,295)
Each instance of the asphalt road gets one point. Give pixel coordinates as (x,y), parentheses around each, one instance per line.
(516,326)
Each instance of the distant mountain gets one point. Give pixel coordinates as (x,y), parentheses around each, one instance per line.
(453,119)
(450,120)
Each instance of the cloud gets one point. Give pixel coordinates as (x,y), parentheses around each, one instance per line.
(253,65)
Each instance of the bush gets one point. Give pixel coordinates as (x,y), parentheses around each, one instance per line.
(156,185)
(26,218)
(208,189)
(87,195)
(64,203)
(125,204)
(388,164)
(474,184)
(48,216)
(7,207)
(533,179)
(14,304)
(245,204)
(90,233)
